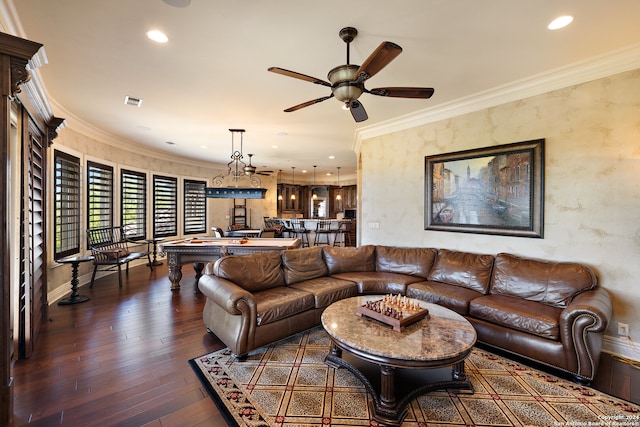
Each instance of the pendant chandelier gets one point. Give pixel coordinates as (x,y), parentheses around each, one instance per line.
(314,195)
(228,186)
(293,173)
(339,195)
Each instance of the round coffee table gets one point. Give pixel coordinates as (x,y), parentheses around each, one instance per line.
(441,340)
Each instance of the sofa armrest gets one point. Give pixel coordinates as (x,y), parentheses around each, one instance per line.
(229,296)
(582,326)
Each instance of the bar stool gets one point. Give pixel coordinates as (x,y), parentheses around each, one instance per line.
(323,229)
(298,228)
(343,234)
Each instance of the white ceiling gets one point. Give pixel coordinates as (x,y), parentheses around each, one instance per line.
(212,74)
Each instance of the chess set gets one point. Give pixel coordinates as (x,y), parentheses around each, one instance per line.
(396,311)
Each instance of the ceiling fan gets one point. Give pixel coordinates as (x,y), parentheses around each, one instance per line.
(347,81)
(250,169)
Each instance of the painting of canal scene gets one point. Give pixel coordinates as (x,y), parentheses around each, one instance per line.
(495,190)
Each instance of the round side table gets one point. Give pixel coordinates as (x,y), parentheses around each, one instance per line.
(75,297)
(154,241)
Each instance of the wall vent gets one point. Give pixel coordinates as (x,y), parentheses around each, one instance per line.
(130,100)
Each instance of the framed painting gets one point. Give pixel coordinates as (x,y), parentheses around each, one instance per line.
(493,190)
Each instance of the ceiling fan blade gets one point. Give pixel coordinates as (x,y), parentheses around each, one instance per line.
(383,55)
(298,76)
(308,103)
(358,112)
(403,92)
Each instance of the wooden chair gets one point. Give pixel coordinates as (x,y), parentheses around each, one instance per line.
(343,234)
(267,234)
(300,231)
(323,230)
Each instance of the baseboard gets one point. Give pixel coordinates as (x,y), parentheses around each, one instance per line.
(621,346)
(85,279)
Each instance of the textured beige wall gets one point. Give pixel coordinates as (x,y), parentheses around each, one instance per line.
(592,182)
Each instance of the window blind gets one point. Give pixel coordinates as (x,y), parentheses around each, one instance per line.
(99,195)
(133,212)
(67,204)
(195,207)
(165,206)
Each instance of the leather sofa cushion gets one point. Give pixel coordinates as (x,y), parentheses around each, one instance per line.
(281,302)
(253,272)
(551,283)
(303,264)
(465,269)
(374,282)
(456,298)
(516,313)
(348,259)
(411,261)
(327,290)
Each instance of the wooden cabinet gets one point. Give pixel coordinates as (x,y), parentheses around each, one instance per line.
(298,205)
(348,199)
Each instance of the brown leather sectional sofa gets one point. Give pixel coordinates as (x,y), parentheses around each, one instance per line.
(553,313)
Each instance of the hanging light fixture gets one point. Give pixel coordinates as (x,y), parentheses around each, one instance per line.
(314,195)
(339,195)
(293,173)
(228,186)
(279,191)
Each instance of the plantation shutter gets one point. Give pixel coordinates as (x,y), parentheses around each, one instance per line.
(165,206)
(133,212)
(195,207)
(67,204)
(99,195)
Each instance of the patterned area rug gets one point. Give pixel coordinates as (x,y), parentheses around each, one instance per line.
(288,384)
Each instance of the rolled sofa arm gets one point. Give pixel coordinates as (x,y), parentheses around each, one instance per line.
(582,326)
(226,294)
(230,313)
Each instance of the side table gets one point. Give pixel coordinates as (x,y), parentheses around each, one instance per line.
(154,241)
(75,297)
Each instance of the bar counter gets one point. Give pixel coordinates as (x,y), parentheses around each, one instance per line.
(311,224)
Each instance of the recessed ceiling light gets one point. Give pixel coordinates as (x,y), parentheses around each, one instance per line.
(157,36)
(560,22)
(274,146)
(332,157)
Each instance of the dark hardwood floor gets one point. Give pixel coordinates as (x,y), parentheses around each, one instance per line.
(120,359)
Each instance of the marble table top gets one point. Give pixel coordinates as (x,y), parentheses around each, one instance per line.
(443,335)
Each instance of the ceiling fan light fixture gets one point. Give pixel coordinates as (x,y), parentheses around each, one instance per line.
(342,83)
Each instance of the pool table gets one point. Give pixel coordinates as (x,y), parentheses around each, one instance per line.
(205,249)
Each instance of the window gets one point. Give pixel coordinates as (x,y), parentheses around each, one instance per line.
(133,212)
(195,207)
(67,204)
(99,195)
(165,206)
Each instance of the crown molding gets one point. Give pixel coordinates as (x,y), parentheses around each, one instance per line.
(608,64)
(84,128)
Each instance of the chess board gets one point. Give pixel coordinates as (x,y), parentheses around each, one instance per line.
(394,310)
